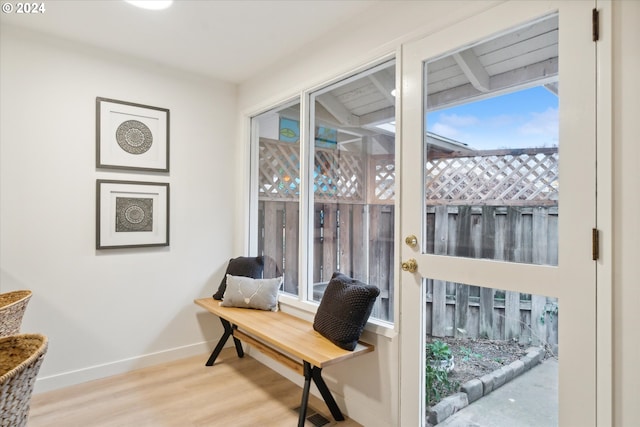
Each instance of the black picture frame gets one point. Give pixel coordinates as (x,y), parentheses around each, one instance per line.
(131,214)
(132,136)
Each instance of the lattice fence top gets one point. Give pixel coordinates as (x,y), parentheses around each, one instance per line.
(338,175)
(496,177)
(383,169)
(279,169)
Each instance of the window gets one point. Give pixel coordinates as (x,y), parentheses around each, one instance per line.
(348,173)
(276,136)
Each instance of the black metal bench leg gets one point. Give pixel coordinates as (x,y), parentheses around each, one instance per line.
(326,394)
(238,343)
(228,332)
(305,394)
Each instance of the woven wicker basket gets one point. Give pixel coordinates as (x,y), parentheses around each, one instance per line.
(12,307)
(20,360)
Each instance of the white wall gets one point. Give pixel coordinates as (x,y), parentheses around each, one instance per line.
(111,310)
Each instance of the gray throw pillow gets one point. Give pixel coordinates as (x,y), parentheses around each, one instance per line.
(245,292)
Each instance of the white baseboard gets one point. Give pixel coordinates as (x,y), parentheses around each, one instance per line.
(66,379)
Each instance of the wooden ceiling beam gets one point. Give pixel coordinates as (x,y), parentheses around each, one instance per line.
(552,87)
(376,117)
(473,69)
(384,84)
(338,110)
(537,74)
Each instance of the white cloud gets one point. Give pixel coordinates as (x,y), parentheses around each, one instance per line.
(445,130)
(452,125)
(517,130)
(543,124)
(459,121)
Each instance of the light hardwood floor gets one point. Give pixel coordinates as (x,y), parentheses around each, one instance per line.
(233,393)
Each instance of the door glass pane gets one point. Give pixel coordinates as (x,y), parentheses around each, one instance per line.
(505,340)
(491,148)
(353,132)
(277,135)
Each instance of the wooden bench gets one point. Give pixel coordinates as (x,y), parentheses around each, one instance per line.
(287,339)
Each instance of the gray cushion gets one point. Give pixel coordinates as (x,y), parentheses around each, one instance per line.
(245,292)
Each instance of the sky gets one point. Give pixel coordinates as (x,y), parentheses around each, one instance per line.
(523,119)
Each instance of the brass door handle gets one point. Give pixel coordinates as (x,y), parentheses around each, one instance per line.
(410,265)
(411,240)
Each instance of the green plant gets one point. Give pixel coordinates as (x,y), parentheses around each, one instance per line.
(438,384)
(437,379)
(438,350)
(467,353)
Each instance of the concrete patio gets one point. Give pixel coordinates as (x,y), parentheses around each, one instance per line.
(530,400)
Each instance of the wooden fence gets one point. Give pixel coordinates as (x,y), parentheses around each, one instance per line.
(499,204)
(346,238)
(517,234)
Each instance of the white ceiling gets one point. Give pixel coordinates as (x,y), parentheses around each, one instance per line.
(227,40)
(235,40)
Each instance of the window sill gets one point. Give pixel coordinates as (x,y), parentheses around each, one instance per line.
(307,310)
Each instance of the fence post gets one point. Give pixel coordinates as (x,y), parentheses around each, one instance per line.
(439,299)
(329,252)
(360,225)
(292,219)
(464,249)
(512,315)
(462,311)
(539,255)
(538,321)
(344,239)
(272,229)
(485,324)
(486,313)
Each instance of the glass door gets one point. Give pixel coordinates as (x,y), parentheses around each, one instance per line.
(498,196)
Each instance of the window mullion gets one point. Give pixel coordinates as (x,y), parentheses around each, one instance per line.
(306,199)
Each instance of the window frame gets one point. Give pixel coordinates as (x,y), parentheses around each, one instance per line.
(301,305)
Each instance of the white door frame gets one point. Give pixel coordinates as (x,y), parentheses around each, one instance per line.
(604,219)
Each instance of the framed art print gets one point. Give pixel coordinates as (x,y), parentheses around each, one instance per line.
(131,136)
(131,214)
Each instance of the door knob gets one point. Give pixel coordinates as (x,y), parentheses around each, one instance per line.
(410,265)
(412,241)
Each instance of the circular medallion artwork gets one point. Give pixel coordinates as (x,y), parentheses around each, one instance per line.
(134,137)
(134,214)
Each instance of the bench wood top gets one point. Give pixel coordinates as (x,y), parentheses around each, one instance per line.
(285,332)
